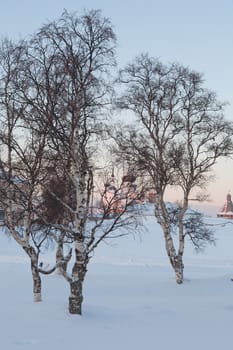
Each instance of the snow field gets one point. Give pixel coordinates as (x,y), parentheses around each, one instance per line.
(131,300)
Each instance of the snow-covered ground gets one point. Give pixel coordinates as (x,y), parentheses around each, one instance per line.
(131,299)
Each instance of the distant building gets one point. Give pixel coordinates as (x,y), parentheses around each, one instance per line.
(151,196)
(117,198)
(227,210)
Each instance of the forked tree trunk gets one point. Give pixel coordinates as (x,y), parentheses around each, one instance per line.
(176,260)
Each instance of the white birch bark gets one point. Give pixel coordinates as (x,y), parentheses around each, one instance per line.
(61,260)
(176,259)
(78,275)
(30,251)
(35,272)
(80,168)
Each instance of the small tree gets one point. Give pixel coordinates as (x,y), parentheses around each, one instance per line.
(179,135)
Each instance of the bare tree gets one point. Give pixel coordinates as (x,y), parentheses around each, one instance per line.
(84,50)
(179,135)
(21,158)
(63,84)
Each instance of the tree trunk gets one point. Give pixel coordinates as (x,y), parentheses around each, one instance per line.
(76,297)
(36,283)
(35,273)
(78,275)
(76,288)
(179,269)
(82,178)
(61,260)
(175,259)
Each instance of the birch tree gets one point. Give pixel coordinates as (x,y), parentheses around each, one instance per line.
(68,68)
(84,49)
(179,134)
(21,156)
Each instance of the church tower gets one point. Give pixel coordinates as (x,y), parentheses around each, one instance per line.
(227,210)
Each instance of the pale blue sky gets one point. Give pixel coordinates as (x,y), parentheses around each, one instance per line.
(196,33)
